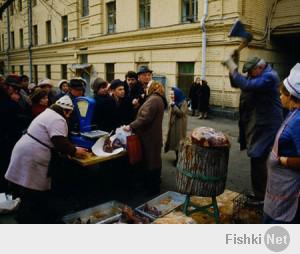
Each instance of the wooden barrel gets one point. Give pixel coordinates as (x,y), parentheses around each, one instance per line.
(201,171)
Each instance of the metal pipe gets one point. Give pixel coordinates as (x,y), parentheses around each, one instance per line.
(8,40)
(204,39)
(30,38)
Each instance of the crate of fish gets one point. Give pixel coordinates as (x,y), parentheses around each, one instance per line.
(105,213)
(161,205)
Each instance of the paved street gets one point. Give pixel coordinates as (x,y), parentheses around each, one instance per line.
(239,164)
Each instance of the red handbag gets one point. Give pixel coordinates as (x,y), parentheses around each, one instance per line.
(134,149)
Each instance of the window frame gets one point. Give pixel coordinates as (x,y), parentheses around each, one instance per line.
(48,32)
(109,73)
(48,71)
(21,38)
(64,71)
(85,10)
(65,27)
(35,35)
(189,11)
(144,14)
(12,40)
(111,17)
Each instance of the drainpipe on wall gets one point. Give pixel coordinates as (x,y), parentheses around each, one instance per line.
(204,38)
(30,38)
(8,40)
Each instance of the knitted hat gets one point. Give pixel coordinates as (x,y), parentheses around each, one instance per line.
(37,95)
(292,82)
(65,102)
(77,83)
(116,83)
(98,83)
(45,82)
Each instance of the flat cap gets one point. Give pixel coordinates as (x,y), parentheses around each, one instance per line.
(250,63)
(144,69)
(13,80)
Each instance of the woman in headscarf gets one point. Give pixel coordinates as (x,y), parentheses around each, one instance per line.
(177,126)
(282,199)
(28,171)
(148,126)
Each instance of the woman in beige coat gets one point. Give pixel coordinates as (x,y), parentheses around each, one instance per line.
(177,121)
(148,126)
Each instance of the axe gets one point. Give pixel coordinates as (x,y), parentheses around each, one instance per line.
(238,30)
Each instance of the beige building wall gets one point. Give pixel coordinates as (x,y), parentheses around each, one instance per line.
(167,41)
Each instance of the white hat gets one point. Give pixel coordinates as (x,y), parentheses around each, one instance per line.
(65,102)
(44,82)
(292,82)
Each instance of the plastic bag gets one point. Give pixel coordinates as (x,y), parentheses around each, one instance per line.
(122,135)
(7,204)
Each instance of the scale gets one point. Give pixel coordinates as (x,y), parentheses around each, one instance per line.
(84,108)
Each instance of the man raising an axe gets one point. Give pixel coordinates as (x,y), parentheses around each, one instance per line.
(260,110)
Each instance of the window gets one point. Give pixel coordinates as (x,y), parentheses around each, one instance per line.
(48,71)
(35,35)
(145,13)
(21,69)
(11,9)
(185,76)
(85,8)
(111,17)
(12,37)
(3,45)
(21,36)
(20,5)
(84,58)
(35,74)
(64,22)
(110,71)
(48,31)
(64,71)
(189,10)
(13,69)
(34,3)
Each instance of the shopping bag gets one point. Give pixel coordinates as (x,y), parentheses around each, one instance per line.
(134,149)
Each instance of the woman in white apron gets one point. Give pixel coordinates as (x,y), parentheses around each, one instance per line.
(283,187)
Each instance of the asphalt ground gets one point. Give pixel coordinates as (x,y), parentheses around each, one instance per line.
(80,188)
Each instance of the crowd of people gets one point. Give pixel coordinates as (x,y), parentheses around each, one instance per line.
(37,119)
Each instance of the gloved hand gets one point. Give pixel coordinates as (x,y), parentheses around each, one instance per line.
(230,64)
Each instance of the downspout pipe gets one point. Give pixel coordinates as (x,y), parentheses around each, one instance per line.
(8,40)
(204,39)
(30,38)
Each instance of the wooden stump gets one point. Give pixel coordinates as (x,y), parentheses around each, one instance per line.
(201,171)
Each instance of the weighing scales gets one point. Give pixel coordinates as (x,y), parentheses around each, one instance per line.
(84,108)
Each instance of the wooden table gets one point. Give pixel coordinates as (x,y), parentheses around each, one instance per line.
(93,159)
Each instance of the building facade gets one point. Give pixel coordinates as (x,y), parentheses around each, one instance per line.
(106,38)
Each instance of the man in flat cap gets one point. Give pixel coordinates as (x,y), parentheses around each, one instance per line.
(260,115)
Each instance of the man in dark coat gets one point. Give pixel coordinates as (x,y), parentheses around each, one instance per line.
(134,90)
(203,99)
(260,115)
(123,112)
(193,95)
(105,106)
(12,125)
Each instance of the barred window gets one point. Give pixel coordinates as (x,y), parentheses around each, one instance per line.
(111,17)
(189,10)
(145,6)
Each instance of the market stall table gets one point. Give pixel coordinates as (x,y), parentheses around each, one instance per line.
(93,159)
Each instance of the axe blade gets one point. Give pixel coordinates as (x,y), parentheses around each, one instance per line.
(238,30)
